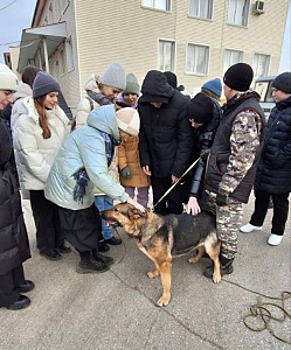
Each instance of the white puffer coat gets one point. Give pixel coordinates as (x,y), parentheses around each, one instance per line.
(36,154)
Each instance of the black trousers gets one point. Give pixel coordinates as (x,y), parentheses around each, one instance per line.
(48,231)
(280,210)
(81,227)
(8,282)
(172,204)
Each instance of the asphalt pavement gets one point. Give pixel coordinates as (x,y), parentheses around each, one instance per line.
(116,310)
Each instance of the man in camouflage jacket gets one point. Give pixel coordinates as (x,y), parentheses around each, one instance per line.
(233,159)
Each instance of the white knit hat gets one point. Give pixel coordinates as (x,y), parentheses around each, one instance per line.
(8,80)
(128,120)
(114,76)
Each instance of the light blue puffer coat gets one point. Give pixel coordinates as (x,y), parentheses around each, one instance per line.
(85,148)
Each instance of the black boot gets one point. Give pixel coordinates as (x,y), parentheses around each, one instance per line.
(25,287)
(99,257)
(22,302)
(226,267)
(89,265)
(102,246)
(64,249)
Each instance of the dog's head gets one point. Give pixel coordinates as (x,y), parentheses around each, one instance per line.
(127,216)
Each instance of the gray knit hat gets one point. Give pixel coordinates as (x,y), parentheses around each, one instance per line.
(132,85)
(43,84)
(114,76)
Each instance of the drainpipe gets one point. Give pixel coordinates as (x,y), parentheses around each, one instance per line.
(44,44)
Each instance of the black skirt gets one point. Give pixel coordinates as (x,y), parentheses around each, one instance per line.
(81,227)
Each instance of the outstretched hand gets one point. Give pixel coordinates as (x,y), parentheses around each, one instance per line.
(192,207)
(136,204)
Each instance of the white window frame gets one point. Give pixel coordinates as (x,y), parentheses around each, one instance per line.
(166,63)
(161,5)
(232,59)
(195,64)
(238,12)
(197,9)
(257,62)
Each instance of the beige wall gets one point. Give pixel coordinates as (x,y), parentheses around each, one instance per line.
(110,31)
(123,31)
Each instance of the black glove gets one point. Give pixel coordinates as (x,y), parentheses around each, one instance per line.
(221,199)
(125,172)
(204,155)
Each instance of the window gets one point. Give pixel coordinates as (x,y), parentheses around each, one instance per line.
(261,65)
(166,55)
(238,12)
(231,57)
(164,5)
(200,8)
(197,59)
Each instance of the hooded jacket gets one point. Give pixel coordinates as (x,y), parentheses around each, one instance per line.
(22,90)
(14,246)
(166,137)
(94,99)
(85,149)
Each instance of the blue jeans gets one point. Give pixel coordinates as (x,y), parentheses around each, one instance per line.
(103,203)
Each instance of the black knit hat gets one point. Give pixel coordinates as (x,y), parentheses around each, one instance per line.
(201,109)
(239,76)
(283,82)
(43,84)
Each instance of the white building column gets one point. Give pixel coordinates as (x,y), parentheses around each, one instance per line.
(44,44)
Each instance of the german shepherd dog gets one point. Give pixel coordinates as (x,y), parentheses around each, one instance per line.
(161,238)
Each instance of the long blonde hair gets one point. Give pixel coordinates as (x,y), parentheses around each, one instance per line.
(43,120)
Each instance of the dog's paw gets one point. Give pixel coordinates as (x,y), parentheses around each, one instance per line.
(153,274)
(216,278)
(193,260)
(163,301)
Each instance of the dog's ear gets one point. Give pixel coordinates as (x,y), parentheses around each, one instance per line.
(135,213)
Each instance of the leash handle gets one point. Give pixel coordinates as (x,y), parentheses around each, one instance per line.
(176,183)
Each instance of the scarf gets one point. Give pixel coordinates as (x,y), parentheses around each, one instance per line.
(81,175)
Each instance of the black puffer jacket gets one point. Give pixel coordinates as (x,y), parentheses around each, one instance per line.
(205,134)
(14,246)
(165,139)
(274,170)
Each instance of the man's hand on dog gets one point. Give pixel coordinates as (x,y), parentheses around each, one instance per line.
(192,207)
(221,199)
(136,204)
(125,172)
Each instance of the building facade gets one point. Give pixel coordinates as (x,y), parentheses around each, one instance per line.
(196,39)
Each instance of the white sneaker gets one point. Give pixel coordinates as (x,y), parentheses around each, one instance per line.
(275,239)
(250,228)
